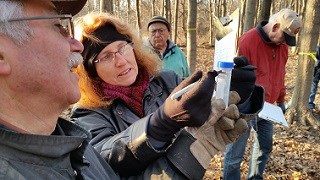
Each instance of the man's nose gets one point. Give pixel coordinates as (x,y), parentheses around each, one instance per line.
(76,46)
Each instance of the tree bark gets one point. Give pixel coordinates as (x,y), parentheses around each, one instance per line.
(175,23)
(184,17)
(129,10)
(211,10)
(138,14)
(250,14)
(106,6)
(192,35)
(264,10)
(298,110)
(153,11)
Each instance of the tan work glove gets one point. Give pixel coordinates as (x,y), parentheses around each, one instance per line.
(224,127)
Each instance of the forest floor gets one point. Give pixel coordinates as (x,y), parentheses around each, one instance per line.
(296,150)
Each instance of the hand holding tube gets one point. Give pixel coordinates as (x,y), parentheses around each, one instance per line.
(191,109)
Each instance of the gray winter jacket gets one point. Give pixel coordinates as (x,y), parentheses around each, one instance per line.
(64,155)
(120,136)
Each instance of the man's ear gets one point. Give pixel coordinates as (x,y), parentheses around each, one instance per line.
(275,27)
(5,68)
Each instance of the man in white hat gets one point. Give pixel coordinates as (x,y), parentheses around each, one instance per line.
(266,47)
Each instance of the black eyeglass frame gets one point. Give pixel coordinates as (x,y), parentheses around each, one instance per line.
(62,16)
(161,31)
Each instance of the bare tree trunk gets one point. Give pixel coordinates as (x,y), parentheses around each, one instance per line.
(192,35)
(153,11)
(138,14)
(106,6)
(297,6)
(242,12)
(264,10)
(118,13)
(184,17)
(175,25)
(129,10)
(168,10)
(163,9)
(218,8)
(224,7)
(102,6)
(298,110)
(211,10)
(250,14)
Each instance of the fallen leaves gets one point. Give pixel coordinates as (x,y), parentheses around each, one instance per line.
(295,155)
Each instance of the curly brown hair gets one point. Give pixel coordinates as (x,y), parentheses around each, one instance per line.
(90,87)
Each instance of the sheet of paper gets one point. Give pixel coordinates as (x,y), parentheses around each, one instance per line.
(226,48)
(273,113)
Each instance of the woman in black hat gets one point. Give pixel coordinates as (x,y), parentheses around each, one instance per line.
(125,106)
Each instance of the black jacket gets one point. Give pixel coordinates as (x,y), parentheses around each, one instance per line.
(65,155)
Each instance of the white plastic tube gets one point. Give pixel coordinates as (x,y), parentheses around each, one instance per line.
(223,81)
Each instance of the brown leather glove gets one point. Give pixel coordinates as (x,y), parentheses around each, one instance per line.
(223,127)
(191,109)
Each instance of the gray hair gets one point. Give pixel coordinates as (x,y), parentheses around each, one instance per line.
(18,31)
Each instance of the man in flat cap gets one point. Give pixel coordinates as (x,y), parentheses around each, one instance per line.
(172,56)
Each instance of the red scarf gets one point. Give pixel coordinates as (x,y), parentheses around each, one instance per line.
(131,95)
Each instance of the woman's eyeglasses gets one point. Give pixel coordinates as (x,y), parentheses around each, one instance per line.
(109,57)
(66,25)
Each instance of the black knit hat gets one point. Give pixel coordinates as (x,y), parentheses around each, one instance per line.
(159,19)
(106,34)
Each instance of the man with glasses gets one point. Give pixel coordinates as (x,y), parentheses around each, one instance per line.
(266,47)
(38,55)
(172,56)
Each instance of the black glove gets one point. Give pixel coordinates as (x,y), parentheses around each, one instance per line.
(191,109)
(243,78)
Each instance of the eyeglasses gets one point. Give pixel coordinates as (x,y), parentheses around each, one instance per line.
(109,57)
(66,25)
(160,31)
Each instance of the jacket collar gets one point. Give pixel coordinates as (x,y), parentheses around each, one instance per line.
(263,34)
(170,46)
(67,137)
